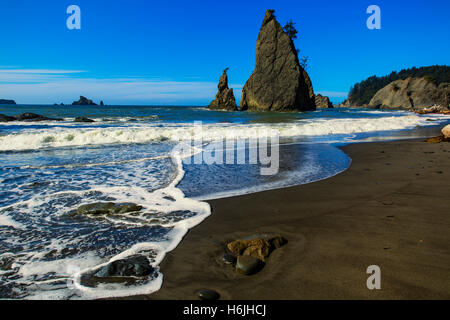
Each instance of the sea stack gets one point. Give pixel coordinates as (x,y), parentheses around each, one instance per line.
(225,97)
(278,82)
(84,102)
(323,102)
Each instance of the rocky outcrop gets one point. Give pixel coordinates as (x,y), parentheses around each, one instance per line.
(6,101)
(133,266)
(100,208)
(28,116)
(278,82)
(225,97)
(5,118)
(84,102)
(83,119)
(322,101)
(412,93)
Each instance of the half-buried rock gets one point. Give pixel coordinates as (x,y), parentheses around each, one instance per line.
(259,246)
(253,251)
(248,265)
(133,266)
(99,208)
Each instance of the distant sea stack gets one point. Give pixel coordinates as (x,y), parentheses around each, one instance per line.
(278,82)
(5,101)
(225,97)
(84,102)
(323,102)
(412,93)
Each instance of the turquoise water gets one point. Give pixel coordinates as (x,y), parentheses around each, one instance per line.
(48,169)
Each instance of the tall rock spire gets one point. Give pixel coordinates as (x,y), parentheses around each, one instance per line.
(278,82)
(225,96)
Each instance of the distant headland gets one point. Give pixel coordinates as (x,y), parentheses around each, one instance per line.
(5,101)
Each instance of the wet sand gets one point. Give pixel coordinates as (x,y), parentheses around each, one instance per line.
(391,208)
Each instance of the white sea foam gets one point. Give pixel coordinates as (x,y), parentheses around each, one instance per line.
(46,278)
(73,137)
(6,220)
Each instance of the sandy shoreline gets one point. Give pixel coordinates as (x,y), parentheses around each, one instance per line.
(390,208)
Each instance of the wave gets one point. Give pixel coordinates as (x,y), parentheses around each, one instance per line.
(36,276)
(35,139)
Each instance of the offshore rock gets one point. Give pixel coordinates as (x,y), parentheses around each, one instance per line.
(28,116)
(278,82)
(134,266)
(5,118)
(83,119)
(99,208)
(225,97)
(84,102)
(323,101)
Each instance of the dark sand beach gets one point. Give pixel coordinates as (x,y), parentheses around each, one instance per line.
(391,208)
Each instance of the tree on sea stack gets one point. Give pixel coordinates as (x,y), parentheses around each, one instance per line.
(290,30)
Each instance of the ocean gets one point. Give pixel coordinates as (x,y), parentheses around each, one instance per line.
(48,169)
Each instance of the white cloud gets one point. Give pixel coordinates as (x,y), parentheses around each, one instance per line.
(39,71)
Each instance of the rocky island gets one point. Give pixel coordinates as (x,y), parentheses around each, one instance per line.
(225,97)
(84,102)
(278,82)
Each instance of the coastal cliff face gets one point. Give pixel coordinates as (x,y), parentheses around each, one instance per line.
(411,93)
(278,82)
(225,97)
(323,101)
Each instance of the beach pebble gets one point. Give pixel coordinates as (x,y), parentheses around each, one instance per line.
(228,258)
(248,265)
(207,294)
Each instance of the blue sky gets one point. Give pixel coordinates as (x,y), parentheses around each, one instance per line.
(173,52)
